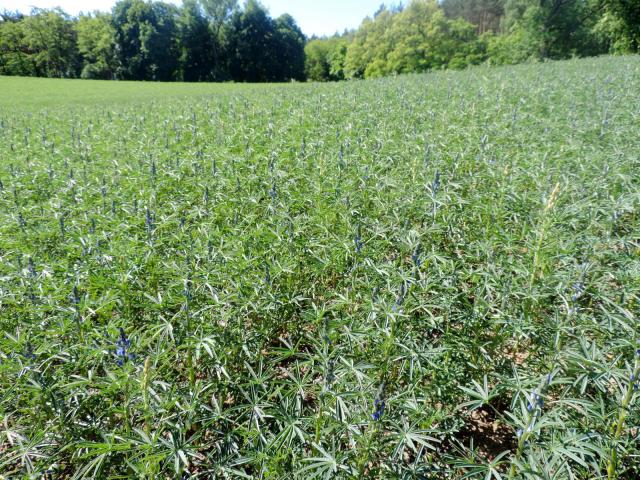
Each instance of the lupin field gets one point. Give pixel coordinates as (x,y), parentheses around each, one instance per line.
(419,277)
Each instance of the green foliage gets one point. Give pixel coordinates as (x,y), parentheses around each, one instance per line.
(325,58)
(429,276)
(97,47)
(368,49)
(621,24)
(203,40)
(509,49)
(145,39)
(218,13)
(196,43)
(216,40)
(15,58)
(484,14)
(41,44)
(289,49)
(415,39)
(551,28)
(263,50)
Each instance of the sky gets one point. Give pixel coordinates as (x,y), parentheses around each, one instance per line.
(315,17)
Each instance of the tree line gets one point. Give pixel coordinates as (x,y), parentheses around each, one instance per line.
(203,40)
(427,34)
(217,40)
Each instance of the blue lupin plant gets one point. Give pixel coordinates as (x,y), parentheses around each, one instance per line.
(379,406)
(400,298)
(75,296)
(341,163)
(21,221)
(624,410)
(32,268)
(358,240)
(75,300)
(273,191)
(535,401)
(435,185)
(578,290)
(149,222)
(379,403)
(290,229)
(267,274)
(28,352)
(330,376)
(123,345)
(634,375)
(416,256)
(187,294)
(534,407)
(325,336)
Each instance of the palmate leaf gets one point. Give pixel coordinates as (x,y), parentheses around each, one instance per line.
(91,469)
(291,427)
(493,469)
(219,465)
(326,466)
(481,395)
(25,452)
(413,438)
(344,403)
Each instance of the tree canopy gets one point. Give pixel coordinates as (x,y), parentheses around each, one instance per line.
(202,40)
(219,40)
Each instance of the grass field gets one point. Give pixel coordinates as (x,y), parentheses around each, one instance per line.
(430,277)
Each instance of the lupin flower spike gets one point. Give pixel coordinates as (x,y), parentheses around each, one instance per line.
(435,186)
(417,261)
(379,406)
(358,240)
(379,403)
(122,349)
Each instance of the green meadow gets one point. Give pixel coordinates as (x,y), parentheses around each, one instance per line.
(427,276)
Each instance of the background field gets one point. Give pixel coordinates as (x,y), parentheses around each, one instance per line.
(429,276)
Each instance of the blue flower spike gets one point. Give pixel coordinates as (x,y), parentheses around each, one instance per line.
(379,404)
(122,349)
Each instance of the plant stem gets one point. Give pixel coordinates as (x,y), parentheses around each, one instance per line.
(622,415)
